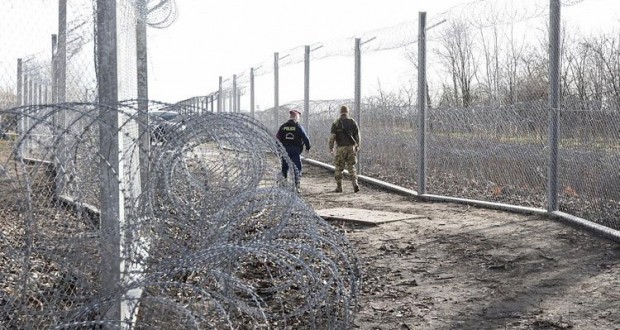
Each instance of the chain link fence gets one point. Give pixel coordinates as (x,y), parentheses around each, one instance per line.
(113,218)
(486,98)
(213,240)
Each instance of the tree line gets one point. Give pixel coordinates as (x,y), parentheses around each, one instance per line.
(505,65)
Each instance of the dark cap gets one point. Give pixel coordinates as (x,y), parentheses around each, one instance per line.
(295,111)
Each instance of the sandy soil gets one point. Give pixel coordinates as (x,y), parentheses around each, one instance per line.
(460,267)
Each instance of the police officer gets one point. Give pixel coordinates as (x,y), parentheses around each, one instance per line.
(293,137)
(345,134)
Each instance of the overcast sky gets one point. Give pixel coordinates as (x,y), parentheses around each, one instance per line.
(220,38)
(213,38)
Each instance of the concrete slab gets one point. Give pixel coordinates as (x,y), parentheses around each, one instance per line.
(367,217)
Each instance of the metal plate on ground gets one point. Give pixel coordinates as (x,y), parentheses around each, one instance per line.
(368,217)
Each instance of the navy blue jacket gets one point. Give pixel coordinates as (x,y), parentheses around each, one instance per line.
(291,134)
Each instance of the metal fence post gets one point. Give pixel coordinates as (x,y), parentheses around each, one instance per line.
(357,95)
(20,87)
(238,99)
(422,102)
(59,94)
(39,93)
(307,87)
(143,93)
(112,199)
(252,92)
(26,88)
(61,54)
(24,115)
(234,94)
(54,70)
(28,119)
(219,96)
(28,80)
(554,102)
(276,91)
(20,102)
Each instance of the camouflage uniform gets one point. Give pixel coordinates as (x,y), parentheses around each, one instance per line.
(346,155)
(345,135)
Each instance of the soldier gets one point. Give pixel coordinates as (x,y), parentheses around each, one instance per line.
(345,134)
(293,137)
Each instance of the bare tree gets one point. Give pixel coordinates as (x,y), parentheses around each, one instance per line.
(530,82)
(491,43)
(607,49)
(412,56)
(581,82)
(514,57)
(490,52)
(457,53)
(392,107)
(8,99)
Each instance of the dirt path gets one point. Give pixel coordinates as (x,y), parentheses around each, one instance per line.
(460,267)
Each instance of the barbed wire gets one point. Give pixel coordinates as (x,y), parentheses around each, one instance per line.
(485,13)
(211,236)
(476,14)
(158,14)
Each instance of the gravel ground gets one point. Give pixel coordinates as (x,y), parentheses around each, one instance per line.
(462,267)
(453,267)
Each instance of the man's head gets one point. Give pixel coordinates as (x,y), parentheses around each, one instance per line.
(295,114)
(344,110)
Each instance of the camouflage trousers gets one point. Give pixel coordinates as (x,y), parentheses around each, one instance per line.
(345,155)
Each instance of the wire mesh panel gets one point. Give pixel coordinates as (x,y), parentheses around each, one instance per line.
(25,61)
(487,101)
(492,154)
(590,117)
(208,234)
(215,239)
(588,176)
(78,74)
(323,114)
(207,237)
